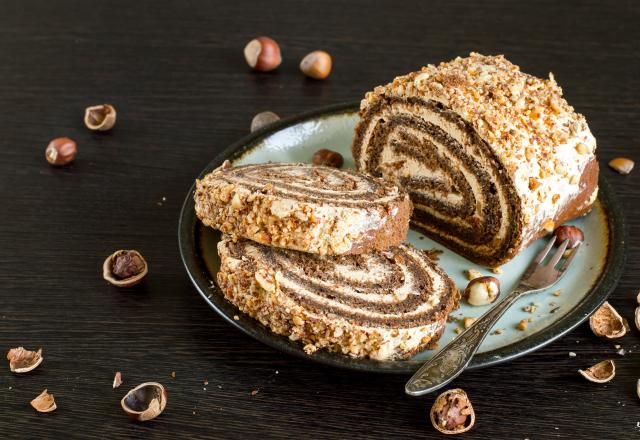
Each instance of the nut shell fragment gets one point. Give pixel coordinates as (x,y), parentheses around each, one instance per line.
(452,412)
(130,275)
(44,403)
(606,322)
(100,117)
(145,402)
(601,372)
(622,165)
(22,360)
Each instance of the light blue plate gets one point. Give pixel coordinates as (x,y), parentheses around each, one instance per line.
(585,286)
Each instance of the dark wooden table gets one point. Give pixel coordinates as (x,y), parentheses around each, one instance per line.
(176,73)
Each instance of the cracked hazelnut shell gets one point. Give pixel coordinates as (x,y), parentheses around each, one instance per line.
(44,403)
(482,291)
(452,412)
(22,360)
(606,322)
(145,402)
(100,117)
(124,268)
(601,372)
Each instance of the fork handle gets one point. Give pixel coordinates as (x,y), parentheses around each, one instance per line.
(453,358)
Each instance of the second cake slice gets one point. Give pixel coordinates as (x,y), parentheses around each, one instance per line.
(314,209)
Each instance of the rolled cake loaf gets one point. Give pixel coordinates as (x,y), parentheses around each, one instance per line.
(493,158)
(383,305)
(308,208)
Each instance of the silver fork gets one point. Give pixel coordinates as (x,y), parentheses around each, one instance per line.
(454,358)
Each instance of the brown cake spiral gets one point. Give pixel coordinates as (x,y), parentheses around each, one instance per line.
(314,209)
(492,158)
(386,304)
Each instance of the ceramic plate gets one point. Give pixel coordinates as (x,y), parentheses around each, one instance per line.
(584,287)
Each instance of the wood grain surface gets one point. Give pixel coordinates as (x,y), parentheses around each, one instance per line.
(176,74)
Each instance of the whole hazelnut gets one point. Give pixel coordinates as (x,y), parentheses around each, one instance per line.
(61,151)
(124,268)
(571,233)
(263,119)
(100,117)
(316,65)
(482,291)
(262,54)
(327,158)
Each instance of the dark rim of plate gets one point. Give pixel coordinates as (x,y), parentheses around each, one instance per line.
(188,230)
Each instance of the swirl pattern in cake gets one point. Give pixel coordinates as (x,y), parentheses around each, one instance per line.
(308,208)
(383,305)
(492,158)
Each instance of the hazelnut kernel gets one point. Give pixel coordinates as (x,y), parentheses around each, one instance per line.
(571,233)
(328,158)
(482,291)
(316,65)
(262,54)
(61,151)
(622,165)
(468,321)
(263,119)
(100,117)
(582,148)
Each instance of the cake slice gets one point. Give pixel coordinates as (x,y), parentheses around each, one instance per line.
(308,208)
(492,157)
(382,305)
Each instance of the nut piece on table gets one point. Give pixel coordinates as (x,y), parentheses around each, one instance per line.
(263,119)
(22,360)
(262,54)
(117,379)
(571,233)
(316,65)
(124,268)
(61,151)
(44,403)
(622,165)
(606,322)
(482,291)
(145,402)
(100,117)
(452,412)
(328,158)
(601,372)
(637,317)
(472,274)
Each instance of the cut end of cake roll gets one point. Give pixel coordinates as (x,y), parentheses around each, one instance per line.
(382,305)
(493,158)
(314,209)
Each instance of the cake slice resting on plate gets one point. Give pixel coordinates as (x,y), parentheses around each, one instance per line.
(382,305)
